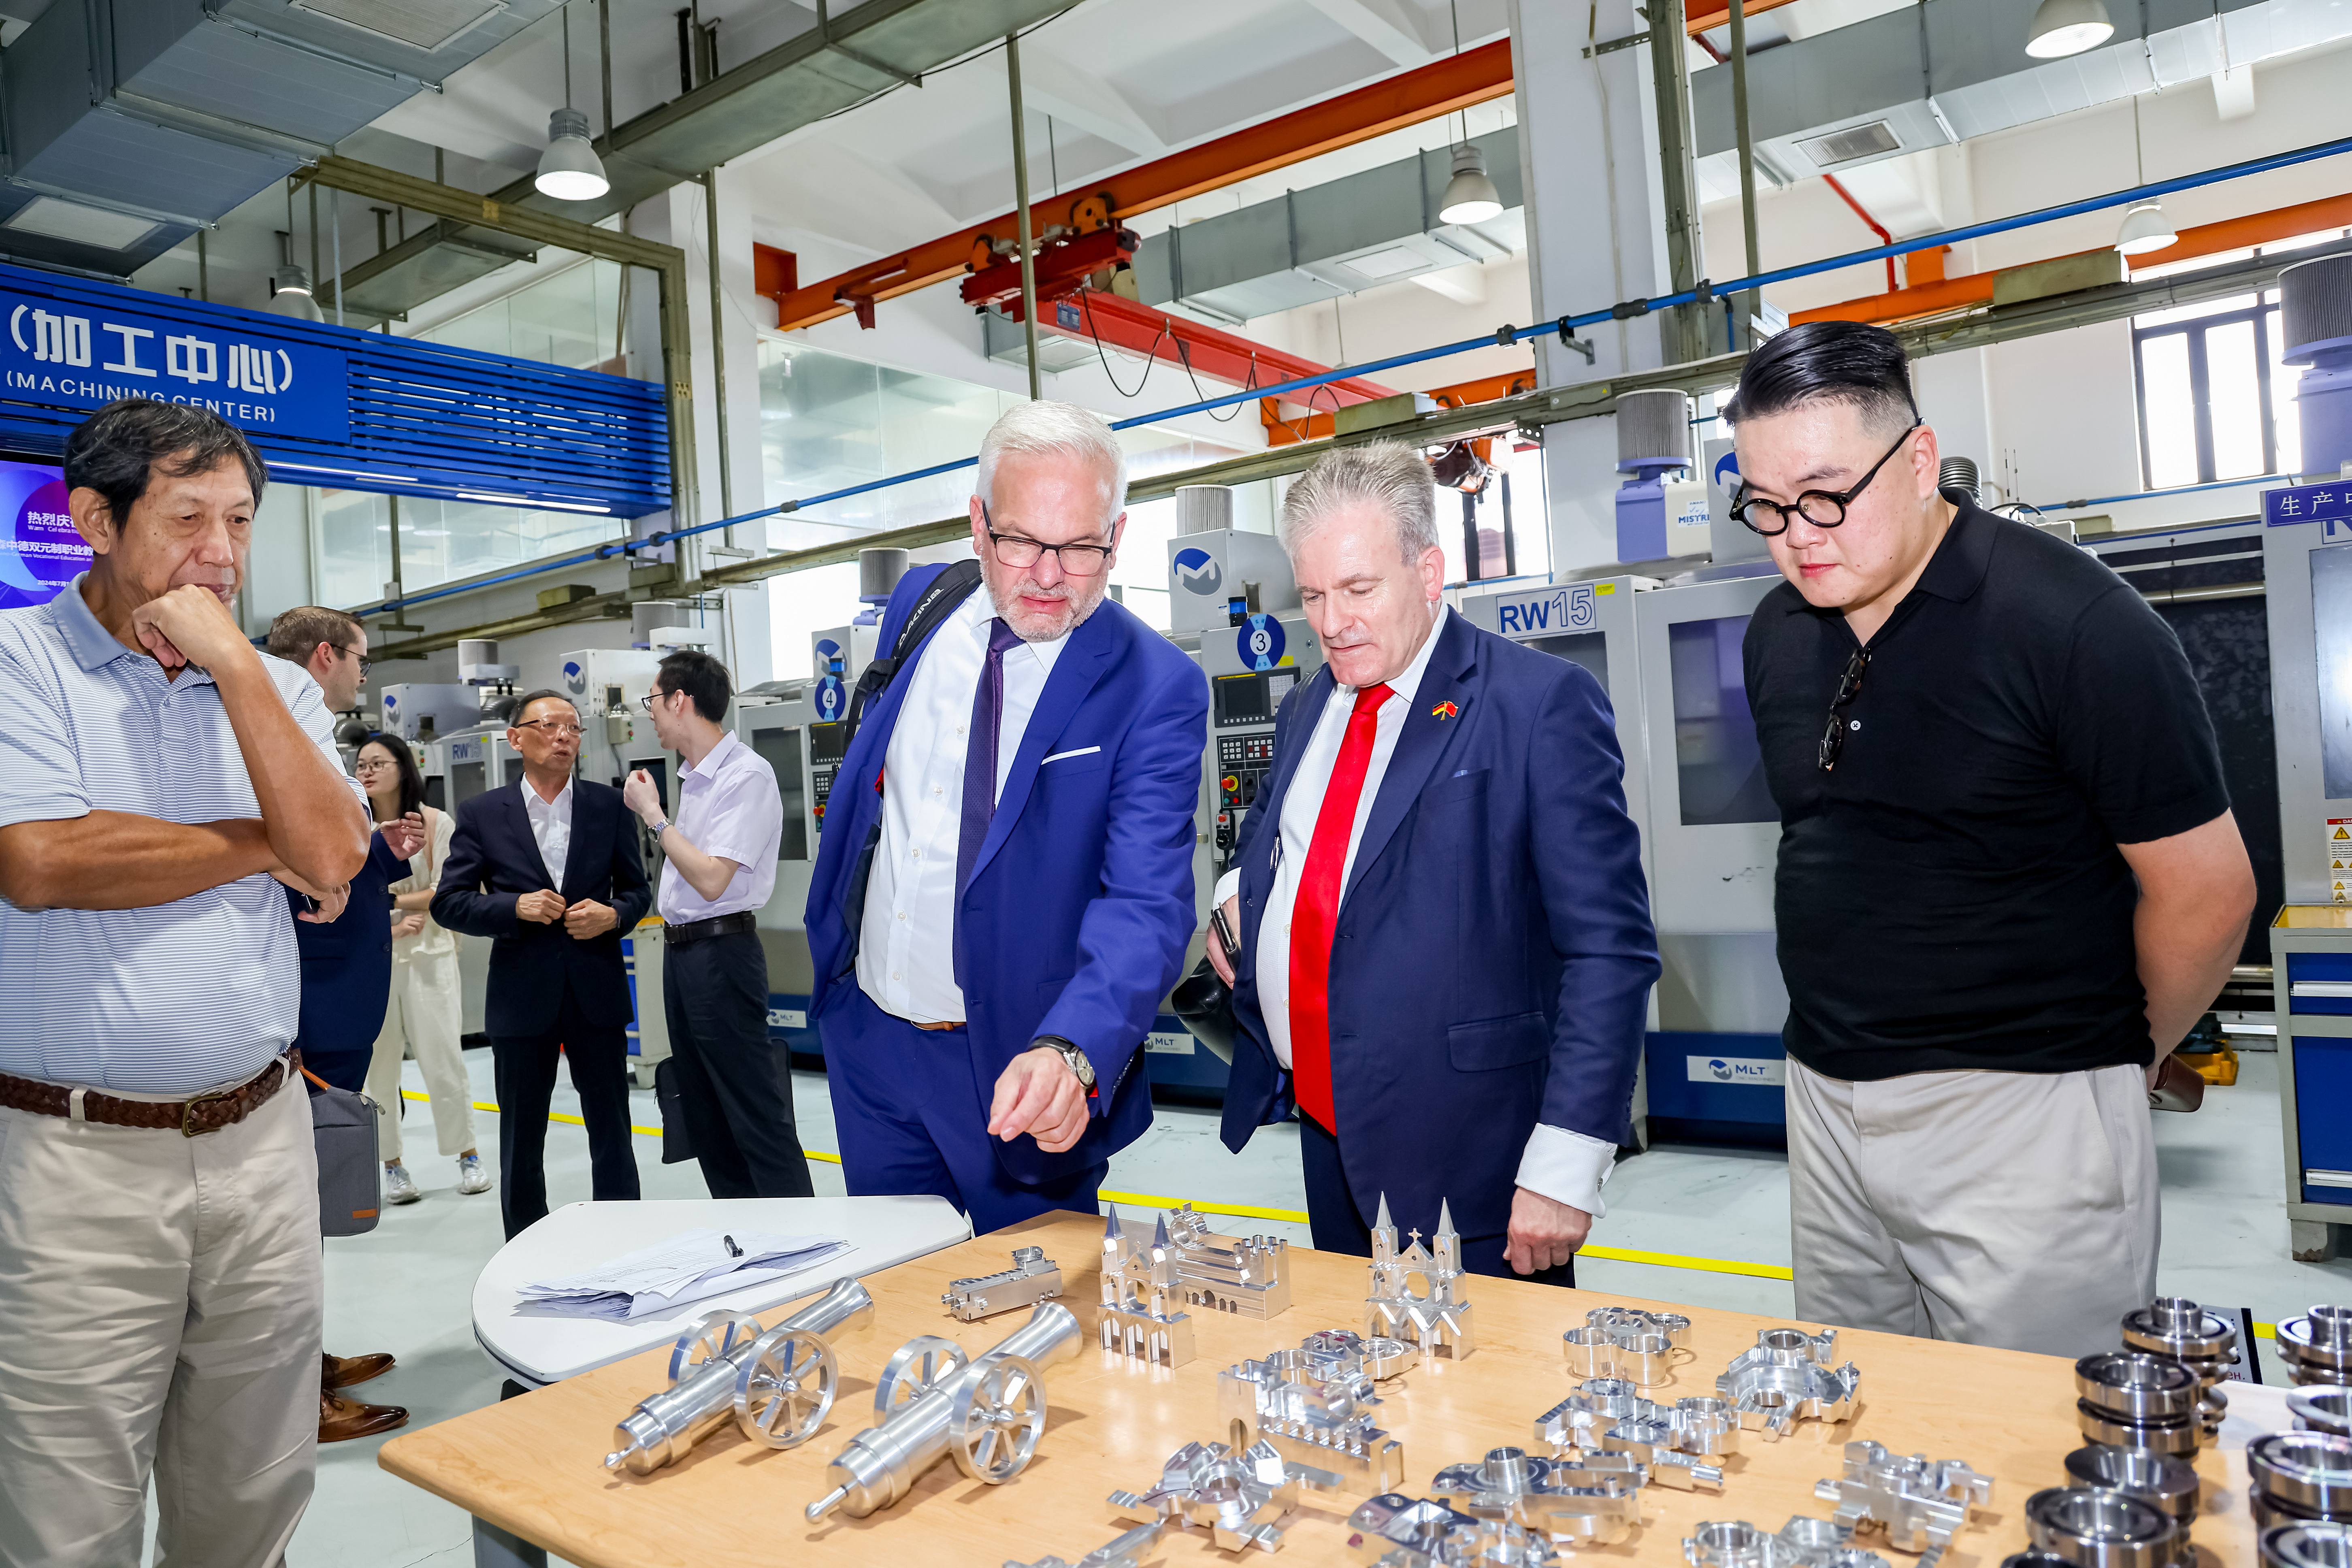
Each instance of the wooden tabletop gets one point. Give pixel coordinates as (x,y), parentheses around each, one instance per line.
(532,1465)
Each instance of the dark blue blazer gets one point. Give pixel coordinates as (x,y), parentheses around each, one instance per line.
(1493,957)
(346,966)
(1079,909)
(494,860)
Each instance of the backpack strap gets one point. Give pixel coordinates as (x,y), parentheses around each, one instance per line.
(947,592)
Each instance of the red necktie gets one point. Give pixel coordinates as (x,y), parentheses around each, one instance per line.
(1317,911)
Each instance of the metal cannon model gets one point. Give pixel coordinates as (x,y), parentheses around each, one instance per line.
(1033,1278)
(932,1402)
(1787,1378)
(1918,1503)
(778,1385)
(1313,1404)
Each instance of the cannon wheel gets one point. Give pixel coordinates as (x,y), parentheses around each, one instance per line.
(999,1415)
(708,1337)
(915,1368)
(785,1388)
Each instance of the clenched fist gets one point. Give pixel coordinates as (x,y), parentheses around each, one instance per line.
(544,907)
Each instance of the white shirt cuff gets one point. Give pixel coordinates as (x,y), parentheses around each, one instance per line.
(1228,886)
(1568,1167)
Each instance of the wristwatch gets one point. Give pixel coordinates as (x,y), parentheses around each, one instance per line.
(658,828)
(1072,1054)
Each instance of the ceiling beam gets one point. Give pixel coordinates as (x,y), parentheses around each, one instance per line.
(1386,25)
(1705,14)
(1082,100)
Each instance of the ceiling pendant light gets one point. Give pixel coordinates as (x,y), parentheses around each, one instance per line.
(1470,196)
(289,295)
(570,171)
(2145,226)
(2063,28)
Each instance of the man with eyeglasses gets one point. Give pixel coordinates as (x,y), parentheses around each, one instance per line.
(1004,891)
(548,868)
(2009,880)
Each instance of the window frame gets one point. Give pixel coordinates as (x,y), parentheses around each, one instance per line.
(2195,331)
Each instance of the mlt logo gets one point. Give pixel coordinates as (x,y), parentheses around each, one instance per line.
(1569,609)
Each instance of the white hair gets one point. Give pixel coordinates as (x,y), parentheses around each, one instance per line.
(1056,429)
(1385,474)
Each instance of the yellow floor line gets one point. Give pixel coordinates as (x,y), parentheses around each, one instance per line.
(1298,1217)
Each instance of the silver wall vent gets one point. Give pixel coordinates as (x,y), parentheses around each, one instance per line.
(1874,140)
(420,24)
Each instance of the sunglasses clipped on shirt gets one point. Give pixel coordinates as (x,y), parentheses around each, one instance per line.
(1849,688)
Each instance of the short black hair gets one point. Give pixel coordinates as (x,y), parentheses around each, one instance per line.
(412,782)
(1851,362)
(700,677)
(522,704)
(118,449)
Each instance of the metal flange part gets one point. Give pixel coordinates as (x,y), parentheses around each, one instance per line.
(2269,1512)
(2323,1408)
(2094,1526)
(2168,1483)
(2306,1546)
(2176,1326)
(2176,1434)
(2308,1472)
(2318,1345)
(914,1369)
(2136,1386)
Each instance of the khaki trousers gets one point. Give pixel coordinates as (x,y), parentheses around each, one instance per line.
(423,1019)
(1995,1209)
(161,1298)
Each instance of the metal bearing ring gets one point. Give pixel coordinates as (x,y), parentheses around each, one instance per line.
(2269,1512)
(2308,1472)
(2175,1435)
(2317,1346)
(2323,1408)
(2094,1526)
(2170,1484)
(1643,1358)
(2306,1546)
(2135,1386)
(1589,1352)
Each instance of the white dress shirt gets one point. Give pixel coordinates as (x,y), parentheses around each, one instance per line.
(905,949)
(728,809)
(550,827)
(1568,1167)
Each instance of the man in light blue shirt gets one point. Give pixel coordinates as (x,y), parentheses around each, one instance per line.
(159,1211)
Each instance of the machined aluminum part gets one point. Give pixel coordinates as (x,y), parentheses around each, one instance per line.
(2309,1472)
(1033,1278)
(1918,1503)
(2094,1527)
(1314,1404)
(1237,1498)
(1787,1378)
(2034,1560)
(1609,1415)
(1562,1500)
(2305,1545)
(2318,1345)
(2202,1338)
(2168,1483)
(990,1413)
(1437,1318)
(2131,1399)
(1233,1275)
(1128,1549)
(1651,1445)
(1140,1291)
(778,1385)
(1397,1532)
(2323,1408)
(1676,1327)
(1802,1543)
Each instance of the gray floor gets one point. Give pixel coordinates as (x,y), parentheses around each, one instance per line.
(404,1289)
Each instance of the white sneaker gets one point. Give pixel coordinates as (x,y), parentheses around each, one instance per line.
(399,1187)
(472,1177)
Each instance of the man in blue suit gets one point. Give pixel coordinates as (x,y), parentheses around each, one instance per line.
(549,868)
(1446,942)
(1004,892)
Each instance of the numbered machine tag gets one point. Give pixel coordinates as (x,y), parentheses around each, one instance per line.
(1259,642)
(1569,609)
(832,701)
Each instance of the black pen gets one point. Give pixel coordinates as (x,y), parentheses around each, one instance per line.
(732,1250)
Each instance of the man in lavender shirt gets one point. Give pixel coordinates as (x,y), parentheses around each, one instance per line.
(719,854)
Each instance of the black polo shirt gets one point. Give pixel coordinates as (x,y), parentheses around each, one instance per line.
(1950,896)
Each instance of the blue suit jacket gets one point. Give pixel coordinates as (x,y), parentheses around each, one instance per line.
(1079,908)
(494,860)
(1492,956)
(347,965)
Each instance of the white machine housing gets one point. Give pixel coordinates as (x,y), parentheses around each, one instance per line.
(1210,571)
(414,710)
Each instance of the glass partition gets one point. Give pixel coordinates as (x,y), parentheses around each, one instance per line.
(1718,767)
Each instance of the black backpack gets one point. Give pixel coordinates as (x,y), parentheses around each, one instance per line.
(949,589)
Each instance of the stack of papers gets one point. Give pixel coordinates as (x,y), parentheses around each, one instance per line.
(688,1266)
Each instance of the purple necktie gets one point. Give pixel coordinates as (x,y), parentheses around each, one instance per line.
(980,756)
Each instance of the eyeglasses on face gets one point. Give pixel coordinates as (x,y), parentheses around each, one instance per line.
(554,729)
(368,765)
(1013,549)
(366,663)
(656,695)
(1822,509)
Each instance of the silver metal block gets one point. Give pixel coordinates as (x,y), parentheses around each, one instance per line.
(1127,1551)
(1033,1278)
(1787,1378)
(1918,1504)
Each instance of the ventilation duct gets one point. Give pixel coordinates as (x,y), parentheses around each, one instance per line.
(130,124)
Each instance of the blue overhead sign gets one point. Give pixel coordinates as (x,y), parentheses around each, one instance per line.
(87,358)
(2289,504)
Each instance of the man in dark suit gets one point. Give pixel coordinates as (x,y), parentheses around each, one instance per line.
(1446,942)
(1004,892)
(548,868)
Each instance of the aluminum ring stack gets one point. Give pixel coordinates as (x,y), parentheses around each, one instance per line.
(2204,1338)
(2093,1527)
(2300,1478)
(2301,1545)
(2322,1408)
(2166,1484)
(2132,1400)
(2317,1346)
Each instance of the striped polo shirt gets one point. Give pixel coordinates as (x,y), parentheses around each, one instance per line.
(173,999)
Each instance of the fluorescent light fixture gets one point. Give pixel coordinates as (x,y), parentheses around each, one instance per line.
(1470,196)
(2063,28)
(570,171)
(532,501)
(81,224)
(289,295)
(2145,229)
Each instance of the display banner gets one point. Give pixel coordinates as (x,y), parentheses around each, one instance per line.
(39,551)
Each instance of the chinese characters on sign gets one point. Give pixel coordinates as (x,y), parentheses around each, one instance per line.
(2328,503)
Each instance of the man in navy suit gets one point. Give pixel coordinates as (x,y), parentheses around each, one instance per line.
(1004,892)
(1446,942)
(548,867)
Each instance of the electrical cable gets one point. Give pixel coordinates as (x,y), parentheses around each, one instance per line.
(1151,356)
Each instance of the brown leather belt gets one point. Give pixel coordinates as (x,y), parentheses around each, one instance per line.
(189,1117)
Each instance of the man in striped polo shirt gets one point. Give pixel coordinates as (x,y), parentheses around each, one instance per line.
(158,1208)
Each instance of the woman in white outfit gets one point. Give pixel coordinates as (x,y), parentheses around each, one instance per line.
(422,1019)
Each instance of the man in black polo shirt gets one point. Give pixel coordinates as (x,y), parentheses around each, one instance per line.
(2009,881)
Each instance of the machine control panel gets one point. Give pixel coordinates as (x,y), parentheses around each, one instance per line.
(1241,733)
(828,744)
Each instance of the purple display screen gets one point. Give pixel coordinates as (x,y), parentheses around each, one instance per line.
(39,551)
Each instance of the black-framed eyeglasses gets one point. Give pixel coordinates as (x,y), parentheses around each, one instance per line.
(366,663)
(1822,509)
(649,699)
(1849,688)
(554,729)
(1013,549)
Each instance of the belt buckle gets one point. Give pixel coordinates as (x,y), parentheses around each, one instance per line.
(188,1111)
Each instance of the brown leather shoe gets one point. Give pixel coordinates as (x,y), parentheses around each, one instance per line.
(345,1370)
(340,1419)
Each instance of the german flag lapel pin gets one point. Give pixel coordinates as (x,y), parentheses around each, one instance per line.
(1443,711)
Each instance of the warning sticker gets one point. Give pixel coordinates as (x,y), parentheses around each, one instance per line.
(2339,860)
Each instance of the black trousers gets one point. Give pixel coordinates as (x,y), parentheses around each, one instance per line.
(599,1054)
(736,1095)
(1339,1226)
